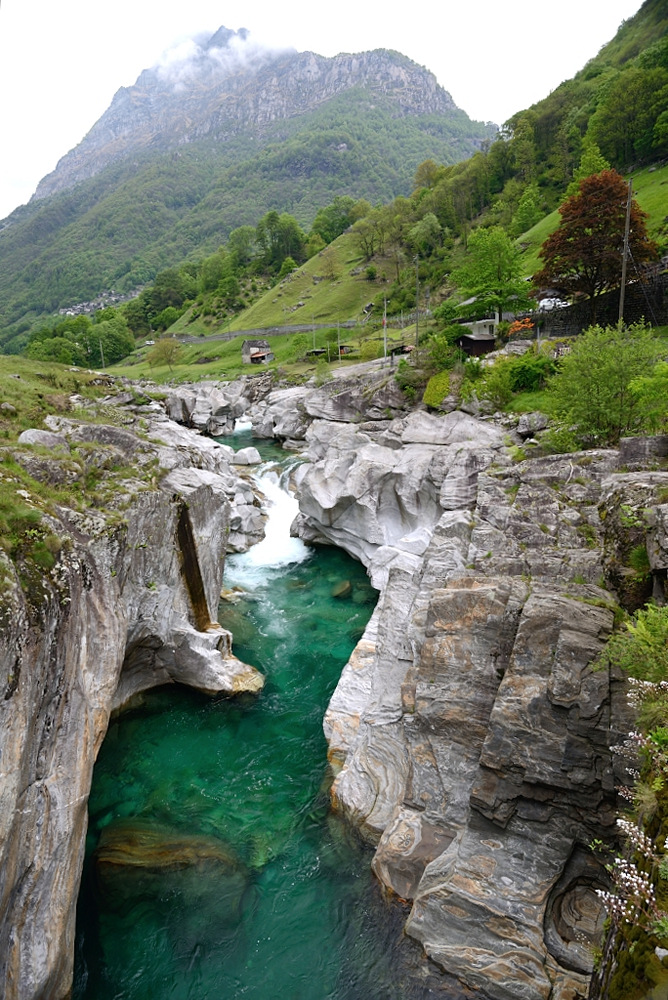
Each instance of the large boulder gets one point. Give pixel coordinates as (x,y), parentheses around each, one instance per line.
(375,396)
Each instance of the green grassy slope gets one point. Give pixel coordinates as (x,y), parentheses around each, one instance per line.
(329,288)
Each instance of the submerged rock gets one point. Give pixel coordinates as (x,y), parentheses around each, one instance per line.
(136,860)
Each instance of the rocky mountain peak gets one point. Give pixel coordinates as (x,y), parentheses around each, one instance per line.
(218,87)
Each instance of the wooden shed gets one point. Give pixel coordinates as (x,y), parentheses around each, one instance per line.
(475,343)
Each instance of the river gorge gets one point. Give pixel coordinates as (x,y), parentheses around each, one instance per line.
(466,732)
(298,914)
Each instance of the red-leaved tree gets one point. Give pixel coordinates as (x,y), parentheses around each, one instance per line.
(584,255)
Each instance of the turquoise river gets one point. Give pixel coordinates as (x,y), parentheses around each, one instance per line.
(300,917)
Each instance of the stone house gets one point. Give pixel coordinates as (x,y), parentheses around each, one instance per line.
(256,352)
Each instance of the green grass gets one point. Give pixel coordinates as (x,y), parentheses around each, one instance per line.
(532,241)
(40,388)
(324,284)
(338,295)
(437,389)
(225,357)
(651,192)
(528,402)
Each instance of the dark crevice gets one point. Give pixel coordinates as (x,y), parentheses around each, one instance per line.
(191,570)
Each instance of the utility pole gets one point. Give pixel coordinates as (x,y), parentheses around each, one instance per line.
(417,300)
(101,351)
(627,228)
(384,331)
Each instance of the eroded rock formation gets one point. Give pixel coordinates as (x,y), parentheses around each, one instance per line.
(470,732)
(130,602)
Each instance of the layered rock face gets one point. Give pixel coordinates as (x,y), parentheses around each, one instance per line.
(130,602)
(469,732)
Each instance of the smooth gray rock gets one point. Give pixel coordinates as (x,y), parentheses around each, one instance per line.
(468,733)
(212,407)
(47,439)
(530,423)
(374,396)
(246,456)
(281,415)
(131,602)
(642,452)
(450,429)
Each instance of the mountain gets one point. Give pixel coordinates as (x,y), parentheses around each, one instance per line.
(225,90)
(210,142)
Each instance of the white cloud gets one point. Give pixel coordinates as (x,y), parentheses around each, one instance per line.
(181,63)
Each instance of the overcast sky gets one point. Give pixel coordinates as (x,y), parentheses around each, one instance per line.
(61,61)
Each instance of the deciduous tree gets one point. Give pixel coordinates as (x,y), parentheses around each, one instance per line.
(333,220)
(165,352)
(584,255)
(529,210)
(492,273)
(592,161)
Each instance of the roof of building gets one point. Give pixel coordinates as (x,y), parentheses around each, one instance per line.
(255,343)
(479,335)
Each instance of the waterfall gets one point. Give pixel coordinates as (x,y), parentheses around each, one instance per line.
(277,549)
(242,425)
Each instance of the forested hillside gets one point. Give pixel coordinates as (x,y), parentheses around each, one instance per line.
(210,239)
(167,200)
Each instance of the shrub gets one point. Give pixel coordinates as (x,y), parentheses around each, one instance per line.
(370,350)
(441,349)
(592,390)
(641,649)
(521,327)
(495,384)
(410,379)
(437,389)
(530,372)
